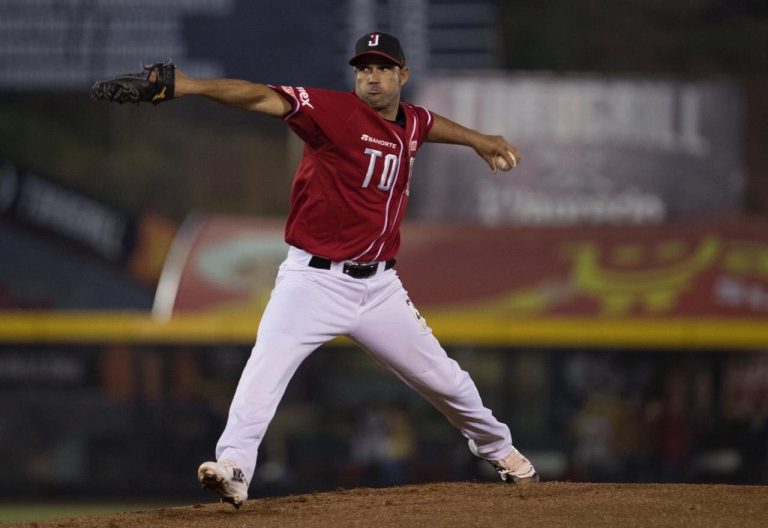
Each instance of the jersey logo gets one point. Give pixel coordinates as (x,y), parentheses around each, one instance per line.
(374,40)
(413,146)
(369,139)
(304,98)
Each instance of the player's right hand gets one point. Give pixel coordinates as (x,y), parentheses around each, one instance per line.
(493,149)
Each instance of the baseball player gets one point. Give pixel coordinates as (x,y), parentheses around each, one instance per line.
(349,196)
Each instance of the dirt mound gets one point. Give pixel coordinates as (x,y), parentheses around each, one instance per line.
(552,504)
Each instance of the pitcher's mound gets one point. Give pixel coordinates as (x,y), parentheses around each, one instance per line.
(550,504)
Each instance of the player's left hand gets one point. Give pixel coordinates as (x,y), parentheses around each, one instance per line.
(155,84)
(497,152)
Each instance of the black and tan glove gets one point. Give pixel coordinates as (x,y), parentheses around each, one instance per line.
(137,87)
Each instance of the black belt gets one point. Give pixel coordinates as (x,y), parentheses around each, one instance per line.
(357,271)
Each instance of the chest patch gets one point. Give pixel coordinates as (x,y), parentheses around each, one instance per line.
(380,142)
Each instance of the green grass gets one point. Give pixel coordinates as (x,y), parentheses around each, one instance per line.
(45,511)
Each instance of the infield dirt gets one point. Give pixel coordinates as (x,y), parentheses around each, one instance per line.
(551,504)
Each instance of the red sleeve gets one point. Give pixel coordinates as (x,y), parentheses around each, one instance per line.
(306,113)
(425,120)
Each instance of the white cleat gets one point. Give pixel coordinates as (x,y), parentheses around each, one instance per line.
(513,468)
(226,479)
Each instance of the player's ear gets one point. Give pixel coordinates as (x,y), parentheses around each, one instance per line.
(405,74)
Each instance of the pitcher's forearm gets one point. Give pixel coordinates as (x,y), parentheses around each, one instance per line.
(488,147)
(446,131)
(233,92)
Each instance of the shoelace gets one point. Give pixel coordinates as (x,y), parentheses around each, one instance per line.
(522,469)
(505,472)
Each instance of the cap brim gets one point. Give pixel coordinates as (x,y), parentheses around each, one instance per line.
(389,58)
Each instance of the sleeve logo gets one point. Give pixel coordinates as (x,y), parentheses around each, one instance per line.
(304,98)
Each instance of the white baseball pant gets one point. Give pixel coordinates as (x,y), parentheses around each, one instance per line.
(309,307)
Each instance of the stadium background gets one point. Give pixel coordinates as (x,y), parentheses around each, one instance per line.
(620,343)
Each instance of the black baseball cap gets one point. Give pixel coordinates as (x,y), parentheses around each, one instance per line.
(379,44)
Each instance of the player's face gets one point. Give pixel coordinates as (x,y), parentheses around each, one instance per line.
(379,84)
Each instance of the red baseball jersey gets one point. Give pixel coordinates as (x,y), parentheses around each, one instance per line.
(350,190)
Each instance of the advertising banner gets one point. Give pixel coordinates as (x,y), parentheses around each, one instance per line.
(601,151)
(37,201)
(697,269)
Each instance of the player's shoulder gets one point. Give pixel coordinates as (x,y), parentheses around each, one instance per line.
(414,107)
(420,111)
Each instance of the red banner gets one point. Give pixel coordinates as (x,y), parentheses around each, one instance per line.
(713,268)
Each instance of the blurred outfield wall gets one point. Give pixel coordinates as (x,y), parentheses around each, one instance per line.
(92,403)
(615,355)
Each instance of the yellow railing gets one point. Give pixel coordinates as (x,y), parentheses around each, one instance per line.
(139,327)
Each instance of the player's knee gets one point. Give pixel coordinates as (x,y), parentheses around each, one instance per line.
(448,379)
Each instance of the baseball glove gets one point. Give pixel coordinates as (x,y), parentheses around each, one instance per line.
(137,87)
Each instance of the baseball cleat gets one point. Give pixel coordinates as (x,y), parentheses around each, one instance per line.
(226,479)
(513,468)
